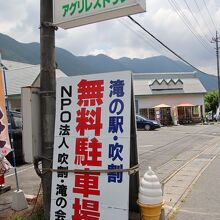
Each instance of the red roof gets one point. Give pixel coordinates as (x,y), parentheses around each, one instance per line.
(185,105)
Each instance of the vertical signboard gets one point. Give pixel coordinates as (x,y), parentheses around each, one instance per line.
(92,136)
(5,146)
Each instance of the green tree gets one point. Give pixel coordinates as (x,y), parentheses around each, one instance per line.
(211,101)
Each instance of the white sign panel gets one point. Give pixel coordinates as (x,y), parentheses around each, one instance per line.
(73,13)
(92,133)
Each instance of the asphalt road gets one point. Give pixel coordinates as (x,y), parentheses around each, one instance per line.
(165,150)
(168,148)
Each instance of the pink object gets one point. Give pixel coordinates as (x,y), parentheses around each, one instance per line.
(2,180)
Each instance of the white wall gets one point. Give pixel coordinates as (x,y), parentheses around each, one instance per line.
(31,137)
(172,100)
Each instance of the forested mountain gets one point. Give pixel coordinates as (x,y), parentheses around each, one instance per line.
(75,65)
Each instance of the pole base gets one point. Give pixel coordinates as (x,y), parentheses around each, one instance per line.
(4,189)
(134,216)
(19,201)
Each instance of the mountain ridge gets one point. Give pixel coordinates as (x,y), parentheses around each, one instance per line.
(75,65)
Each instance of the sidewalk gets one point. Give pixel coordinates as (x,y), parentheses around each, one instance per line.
(28,181)
(204,200)
(179,184)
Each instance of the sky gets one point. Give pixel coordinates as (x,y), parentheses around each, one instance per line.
(188,31)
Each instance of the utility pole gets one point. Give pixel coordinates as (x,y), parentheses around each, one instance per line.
(217,40)
(47,96)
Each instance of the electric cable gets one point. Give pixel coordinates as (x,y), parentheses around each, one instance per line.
(186,21)
(141,35)
(189,25)
(209,14)
(164,45)
(151,43)
(123,22)
(197,5)
(195,18)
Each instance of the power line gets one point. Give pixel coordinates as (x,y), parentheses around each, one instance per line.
(123,22)
(172,51)
(141,35)
(151,43)
(200,12)
(209,14)
(195,18)
(188,24)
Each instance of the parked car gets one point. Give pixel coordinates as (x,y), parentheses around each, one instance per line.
(146,124)
(16,121)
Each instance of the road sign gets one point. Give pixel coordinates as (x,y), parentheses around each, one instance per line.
(92,134)
(73,13)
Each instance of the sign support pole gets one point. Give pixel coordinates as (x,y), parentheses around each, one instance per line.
(47,99)
(134,179)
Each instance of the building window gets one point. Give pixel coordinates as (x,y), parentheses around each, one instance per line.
(144,112)
(165,116)
(148,113)
(195,110)
(151,114)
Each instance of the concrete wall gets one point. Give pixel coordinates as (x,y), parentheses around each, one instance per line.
(31,123)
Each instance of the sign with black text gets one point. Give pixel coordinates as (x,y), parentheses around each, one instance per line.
(92,134)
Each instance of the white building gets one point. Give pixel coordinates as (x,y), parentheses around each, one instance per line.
(169,97)
(23,82)
(20,75)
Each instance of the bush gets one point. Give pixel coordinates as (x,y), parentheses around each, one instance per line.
(211,101)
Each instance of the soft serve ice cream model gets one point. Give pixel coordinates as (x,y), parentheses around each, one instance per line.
(150,196)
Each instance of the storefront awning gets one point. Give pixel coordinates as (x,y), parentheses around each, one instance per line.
(162,106)
(185,105)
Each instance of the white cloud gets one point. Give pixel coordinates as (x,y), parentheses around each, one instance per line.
(20,20)
(97,52)
(120,37)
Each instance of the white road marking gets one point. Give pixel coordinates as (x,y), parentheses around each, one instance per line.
(148,145)
(20,171)
(200,213)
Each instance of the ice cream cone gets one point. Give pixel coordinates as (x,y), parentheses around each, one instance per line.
(150,212)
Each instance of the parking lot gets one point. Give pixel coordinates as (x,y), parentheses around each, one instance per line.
(166,150)
(180,155)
